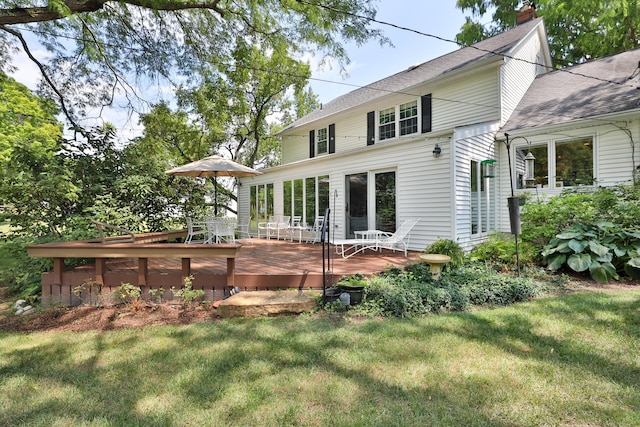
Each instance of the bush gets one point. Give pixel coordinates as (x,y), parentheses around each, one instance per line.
(604,249)
(449,248)
(543,220)
(499,253)
(412,292)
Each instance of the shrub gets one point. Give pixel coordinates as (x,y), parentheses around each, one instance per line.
(604,249)
(499,253)
(412,292)
(449,248)
(543,220)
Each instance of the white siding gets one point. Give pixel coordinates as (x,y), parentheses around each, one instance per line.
(472,144)
(423,183)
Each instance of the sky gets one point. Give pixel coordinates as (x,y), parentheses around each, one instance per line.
(369,62)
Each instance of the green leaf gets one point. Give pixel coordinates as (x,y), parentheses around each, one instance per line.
(602,272)
(579,262)
(634,262)
(597,248)
(578,245)
(632,271)
(557,262)
(569,235)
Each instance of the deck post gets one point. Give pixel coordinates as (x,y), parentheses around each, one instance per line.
(58,269)
(231,272)
(100,263)
(142,271)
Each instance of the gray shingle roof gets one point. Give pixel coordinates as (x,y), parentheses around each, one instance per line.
(499,44)
(566,95)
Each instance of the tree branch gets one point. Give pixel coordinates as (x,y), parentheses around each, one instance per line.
(25,15)
(45,75)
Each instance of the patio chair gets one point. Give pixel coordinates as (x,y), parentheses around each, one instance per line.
(263,227)
(398,241)
(243,228)
(296,229)
(194,229)
(222,229)
(279,227)
(312,235)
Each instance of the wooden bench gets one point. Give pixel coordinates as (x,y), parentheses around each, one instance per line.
(101,251)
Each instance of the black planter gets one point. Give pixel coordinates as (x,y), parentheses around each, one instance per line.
(332,294)
(355,292)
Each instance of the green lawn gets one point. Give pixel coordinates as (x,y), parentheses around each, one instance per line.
(560,361)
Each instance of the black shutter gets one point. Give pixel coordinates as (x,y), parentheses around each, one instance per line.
(312,143)
(332,138)
(371,127)
(425,102)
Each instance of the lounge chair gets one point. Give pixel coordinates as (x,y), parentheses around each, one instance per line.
(399,240)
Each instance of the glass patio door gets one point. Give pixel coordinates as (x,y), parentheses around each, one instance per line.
(356,217)
(385,197)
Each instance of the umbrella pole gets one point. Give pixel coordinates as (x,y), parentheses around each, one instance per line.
(215,192)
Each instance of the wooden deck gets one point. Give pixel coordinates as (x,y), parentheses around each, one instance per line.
(260,265)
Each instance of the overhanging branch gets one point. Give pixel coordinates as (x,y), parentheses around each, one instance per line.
(25,15)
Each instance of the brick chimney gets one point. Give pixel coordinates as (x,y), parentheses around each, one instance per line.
(527,13)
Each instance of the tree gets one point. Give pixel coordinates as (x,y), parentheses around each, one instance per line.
(104,48)
(236,116)
(34,181)
(578,30)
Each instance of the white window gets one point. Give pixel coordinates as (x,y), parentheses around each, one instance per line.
(387,123)
(561,163)
(321,143)
(403,118)
(409,118)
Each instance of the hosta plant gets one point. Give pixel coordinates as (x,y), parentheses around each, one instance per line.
(603,249)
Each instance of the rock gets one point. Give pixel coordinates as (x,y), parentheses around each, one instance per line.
(266,303)
(28,310)
(19,304)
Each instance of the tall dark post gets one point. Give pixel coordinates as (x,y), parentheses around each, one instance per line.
(514,207)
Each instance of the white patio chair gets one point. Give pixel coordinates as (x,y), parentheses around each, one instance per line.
(263,227)
(196,228)
(243,228)
(222,229)
(296,228)
(312,235)
(398,241)
(279,227)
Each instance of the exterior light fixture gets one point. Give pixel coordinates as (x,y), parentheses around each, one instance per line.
(437,151)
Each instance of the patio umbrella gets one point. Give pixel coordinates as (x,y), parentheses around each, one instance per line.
(214,166)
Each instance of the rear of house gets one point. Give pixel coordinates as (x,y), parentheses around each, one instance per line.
(411,145)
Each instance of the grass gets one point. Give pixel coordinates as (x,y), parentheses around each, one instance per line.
(569,360)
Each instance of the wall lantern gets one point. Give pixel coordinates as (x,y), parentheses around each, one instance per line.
(488,168)
(529,164)
(437,151)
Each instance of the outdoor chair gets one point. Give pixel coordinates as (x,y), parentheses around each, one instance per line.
(243,228)
(312,235)
(399,240)
(263,227)
(221,229)
(278,227)
(194,229)
(296,229)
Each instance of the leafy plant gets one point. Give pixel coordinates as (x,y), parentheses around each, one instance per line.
(130,295)
(187,294)
(447,247)
(499,253)
(604,249)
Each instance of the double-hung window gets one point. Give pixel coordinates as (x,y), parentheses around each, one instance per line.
(409,118)
(402,120)
(387,123)
(321,147)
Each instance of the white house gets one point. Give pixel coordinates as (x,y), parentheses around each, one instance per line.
(418,144)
